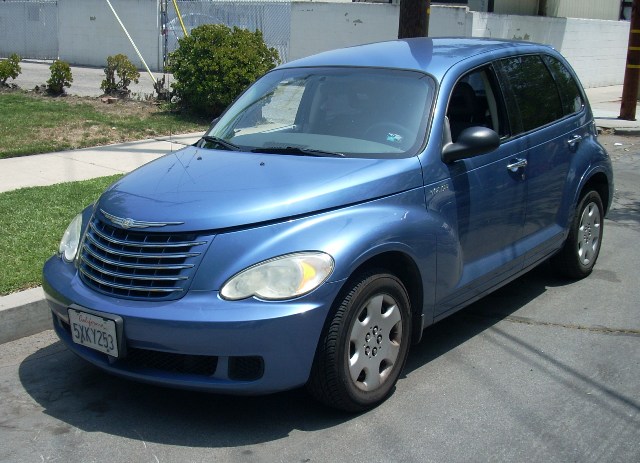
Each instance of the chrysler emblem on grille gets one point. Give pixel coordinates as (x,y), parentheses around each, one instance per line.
(131,223)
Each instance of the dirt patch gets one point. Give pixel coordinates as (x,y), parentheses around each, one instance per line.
(70,122)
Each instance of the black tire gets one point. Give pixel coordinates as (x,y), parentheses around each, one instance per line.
(355,376)
(582,247)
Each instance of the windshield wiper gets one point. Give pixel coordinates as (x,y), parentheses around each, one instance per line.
(296,151)
(222,142)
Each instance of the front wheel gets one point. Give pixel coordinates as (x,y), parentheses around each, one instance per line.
(580,252)
(365,344)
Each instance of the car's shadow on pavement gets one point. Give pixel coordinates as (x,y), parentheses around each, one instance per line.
(454,330)
(76,393)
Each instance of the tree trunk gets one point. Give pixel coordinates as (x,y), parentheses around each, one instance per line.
(414,18)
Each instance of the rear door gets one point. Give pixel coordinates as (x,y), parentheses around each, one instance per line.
(545,101)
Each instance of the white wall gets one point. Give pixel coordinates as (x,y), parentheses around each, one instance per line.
(317,27)
(29,29)
(596,49)
(448,21)
(549,31)
(88,31)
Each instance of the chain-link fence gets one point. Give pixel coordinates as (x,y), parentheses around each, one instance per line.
(272,17)
(29,28)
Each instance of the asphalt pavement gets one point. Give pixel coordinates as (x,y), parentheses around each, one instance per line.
(86,80)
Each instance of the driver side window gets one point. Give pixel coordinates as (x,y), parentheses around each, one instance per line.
(476,102)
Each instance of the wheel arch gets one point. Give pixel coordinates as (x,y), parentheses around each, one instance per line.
(599,183)
(404,268)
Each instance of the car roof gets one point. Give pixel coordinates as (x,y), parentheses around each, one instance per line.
(432,55)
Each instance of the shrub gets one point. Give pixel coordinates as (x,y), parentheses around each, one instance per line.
(60,77)
(9,68)
(215,64)
(119,65)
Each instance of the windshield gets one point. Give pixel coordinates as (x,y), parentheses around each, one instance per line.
(357,112)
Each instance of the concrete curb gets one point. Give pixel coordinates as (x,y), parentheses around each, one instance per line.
(622,131)
(606,123)
(23,314)
(628,131)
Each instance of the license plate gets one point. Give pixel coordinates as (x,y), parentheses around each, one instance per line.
(97,333)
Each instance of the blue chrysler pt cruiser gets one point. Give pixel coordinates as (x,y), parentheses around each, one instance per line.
(339,206)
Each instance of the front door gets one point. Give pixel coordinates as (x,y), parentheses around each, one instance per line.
(488,200)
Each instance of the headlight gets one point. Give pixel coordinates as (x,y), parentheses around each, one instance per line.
(71,239)
(284,277)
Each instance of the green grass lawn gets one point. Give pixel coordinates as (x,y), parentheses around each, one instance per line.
(31,123)
(32,221)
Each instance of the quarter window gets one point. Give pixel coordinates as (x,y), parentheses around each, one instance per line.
(572,101)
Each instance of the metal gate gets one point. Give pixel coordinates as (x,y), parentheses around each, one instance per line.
(272,17)
(29,28)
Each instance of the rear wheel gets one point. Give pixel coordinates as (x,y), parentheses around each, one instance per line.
(364,347)
(581,250)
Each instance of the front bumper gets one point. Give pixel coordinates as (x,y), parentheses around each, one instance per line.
(199,341)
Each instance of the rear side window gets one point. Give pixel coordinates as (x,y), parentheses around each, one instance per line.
(568,88)
(534,94)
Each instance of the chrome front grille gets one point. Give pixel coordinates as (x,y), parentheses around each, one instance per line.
(138,264)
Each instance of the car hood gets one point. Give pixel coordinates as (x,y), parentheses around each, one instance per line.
(210,189)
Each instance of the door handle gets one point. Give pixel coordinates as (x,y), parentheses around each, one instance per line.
(573,141)
(517,164)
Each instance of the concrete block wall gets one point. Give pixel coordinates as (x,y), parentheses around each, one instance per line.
(88,31)
(317,27)
(595,48)
(448,21)
(549,31)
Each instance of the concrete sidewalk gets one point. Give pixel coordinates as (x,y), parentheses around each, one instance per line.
(605,104)
(83,164)
(25,313)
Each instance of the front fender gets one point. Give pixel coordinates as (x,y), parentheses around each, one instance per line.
(352,236)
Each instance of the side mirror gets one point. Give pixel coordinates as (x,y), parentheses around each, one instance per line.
(471,142)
